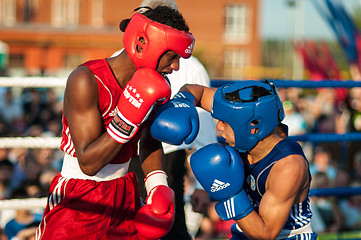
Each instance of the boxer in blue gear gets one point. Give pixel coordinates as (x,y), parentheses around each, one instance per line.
(270,200)
(239,106)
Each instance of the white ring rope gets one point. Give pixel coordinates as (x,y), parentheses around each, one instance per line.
(30,142)
(44,82)
(27,203)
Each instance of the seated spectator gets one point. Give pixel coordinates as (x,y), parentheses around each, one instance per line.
(18,157)
(33,189)
(356,164)
(342,180)
(329,215)
(12,112)
(53,107)
(213,227)
(322,162)
(23,218)
(6,173)
(34,107)
(351,210)
(327,115)
(3,153)
(5,130)
(2,234)
(27,233)
(354,124)
(45,179)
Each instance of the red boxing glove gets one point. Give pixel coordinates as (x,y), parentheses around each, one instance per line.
(146,88)
(155,219)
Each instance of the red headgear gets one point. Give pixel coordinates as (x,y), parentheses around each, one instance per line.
(158,38)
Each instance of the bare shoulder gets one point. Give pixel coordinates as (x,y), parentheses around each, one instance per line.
(289,175)
(81,89)
(80,78)
(291,164)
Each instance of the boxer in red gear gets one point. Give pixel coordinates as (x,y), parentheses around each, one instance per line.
(108,104)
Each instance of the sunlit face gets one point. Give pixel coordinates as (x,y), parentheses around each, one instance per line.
(226,132)
(168,63)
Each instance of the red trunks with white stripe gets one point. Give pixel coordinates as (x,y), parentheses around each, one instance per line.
(87,209)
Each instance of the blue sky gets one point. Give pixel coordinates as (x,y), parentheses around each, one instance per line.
(278,20)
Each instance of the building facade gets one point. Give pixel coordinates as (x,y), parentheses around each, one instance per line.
(51,37)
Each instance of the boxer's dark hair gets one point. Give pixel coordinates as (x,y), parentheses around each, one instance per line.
(161,14)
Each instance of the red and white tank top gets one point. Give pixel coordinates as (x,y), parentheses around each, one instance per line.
(109,93)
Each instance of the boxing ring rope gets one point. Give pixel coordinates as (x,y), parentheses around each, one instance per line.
(327,137)
(54,142)
(318,137)
(60,82)
(36,203)
(32,82)
(300,83)
(26,204)
(339,191)
(30,142)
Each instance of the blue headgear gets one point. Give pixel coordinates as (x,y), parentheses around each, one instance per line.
(248,102)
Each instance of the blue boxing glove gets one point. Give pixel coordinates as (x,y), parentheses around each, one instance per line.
(176,121)
(234,207)
(220,171)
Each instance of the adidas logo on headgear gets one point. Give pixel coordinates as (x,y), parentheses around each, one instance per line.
(190,48)
(218,185)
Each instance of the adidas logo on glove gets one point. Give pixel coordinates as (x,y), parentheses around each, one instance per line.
(218,185)
(180,104)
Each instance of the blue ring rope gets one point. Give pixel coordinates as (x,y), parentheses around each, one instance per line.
(321,137)
(339,191)
(328,137)
(299,83)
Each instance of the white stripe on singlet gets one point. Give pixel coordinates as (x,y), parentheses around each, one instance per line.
(69,147)
(284,234)
(110,96)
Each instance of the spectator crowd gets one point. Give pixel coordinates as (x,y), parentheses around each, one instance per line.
(37,112)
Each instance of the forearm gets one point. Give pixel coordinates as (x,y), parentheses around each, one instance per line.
(151,154)
(97,154)
(255,228)
(195,89)
(154,161)
(268,222)
(202,94)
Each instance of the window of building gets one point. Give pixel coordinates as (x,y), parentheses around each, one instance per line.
(235,59)
(7,12)
(28,10)
(97,13)
(237,24)
(65,13)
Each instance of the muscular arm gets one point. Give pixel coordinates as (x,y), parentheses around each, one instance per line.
(94,149)
(286,185)
(151,153)
(204,95)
